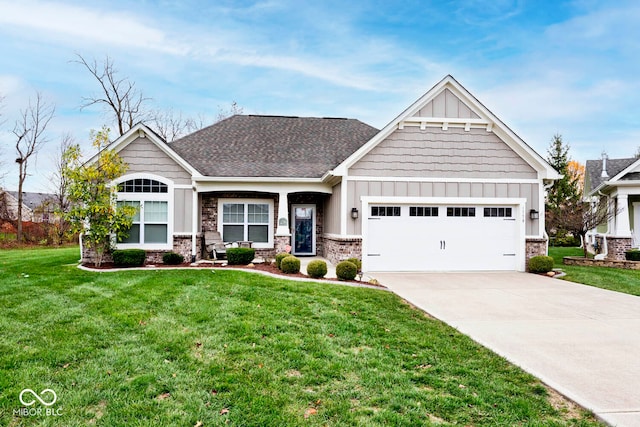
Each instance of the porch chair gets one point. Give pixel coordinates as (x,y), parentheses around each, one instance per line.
(214,245)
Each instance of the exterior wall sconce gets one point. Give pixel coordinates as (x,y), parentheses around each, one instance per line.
(534,214)
(354,213)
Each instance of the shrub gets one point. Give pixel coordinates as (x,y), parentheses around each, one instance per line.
(317,269)
(356,262)
(290,265)
(280,257)
(632,255)
(129,257)
(172,258)
(240,256)
(567,241)
(346,270)
(540,264)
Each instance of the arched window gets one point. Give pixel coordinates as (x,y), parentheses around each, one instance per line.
(152,224)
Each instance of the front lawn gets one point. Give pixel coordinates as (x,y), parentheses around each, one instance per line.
(614,279)
(205,348)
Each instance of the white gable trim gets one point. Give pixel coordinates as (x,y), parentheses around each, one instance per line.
(488,120)
(142,131)
(631,168)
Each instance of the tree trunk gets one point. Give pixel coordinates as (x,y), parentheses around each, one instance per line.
(20,198)
(584,244)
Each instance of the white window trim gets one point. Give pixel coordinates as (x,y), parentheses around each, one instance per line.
(257,245)
(153,197)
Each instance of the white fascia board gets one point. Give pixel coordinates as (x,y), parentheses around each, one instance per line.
(277,187)
(630,183)
(439,179)
(142,131)
(283,179)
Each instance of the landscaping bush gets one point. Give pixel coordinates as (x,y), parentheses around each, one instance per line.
(240,256)
(346,270)
(540,264)
(567,241)
(317,269)
(280,257)
(172,258)
(356,262)
(290,265)
(129,257)
(632,255)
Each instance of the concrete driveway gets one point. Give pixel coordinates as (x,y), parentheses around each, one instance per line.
(580,340)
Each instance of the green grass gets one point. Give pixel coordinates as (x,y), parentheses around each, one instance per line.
(614,279)
(175,348)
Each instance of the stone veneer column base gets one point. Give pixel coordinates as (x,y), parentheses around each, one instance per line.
(534,247)
(281,243)
(337,249)
(617,246)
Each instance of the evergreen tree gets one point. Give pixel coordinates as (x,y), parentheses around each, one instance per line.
(565,192)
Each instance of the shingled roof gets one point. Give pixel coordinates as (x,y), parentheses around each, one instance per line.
(593,170)
(273,146)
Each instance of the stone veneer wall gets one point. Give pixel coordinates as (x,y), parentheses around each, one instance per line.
(181,245)
(337,249)
(617,246)
(535,247)
(588,262)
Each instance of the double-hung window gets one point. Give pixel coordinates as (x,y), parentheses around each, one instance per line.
(247,220)
(151,228)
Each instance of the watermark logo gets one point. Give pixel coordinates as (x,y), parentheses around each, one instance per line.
(47,398)
(38,397)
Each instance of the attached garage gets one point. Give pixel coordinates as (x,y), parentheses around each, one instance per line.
(454,235)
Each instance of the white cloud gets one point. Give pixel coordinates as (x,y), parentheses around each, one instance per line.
(85,25)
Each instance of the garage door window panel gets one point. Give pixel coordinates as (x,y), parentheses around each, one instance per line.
(385,210)
(423,211)
(461,212)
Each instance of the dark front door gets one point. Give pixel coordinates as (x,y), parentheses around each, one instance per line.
(304,229)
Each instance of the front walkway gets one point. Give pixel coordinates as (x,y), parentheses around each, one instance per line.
(580,340)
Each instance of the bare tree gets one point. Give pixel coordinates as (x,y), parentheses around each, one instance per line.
(29,131)
(60,184)
(118,95)
(580,217)
(170,124)
(233,109)
(3,171)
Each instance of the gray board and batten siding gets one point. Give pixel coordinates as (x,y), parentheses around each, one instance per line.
(143,156)
(433,153)
(437,153)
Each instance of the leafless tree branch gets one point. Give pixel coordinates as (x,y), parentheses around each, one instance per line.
(29,131)
(118,96)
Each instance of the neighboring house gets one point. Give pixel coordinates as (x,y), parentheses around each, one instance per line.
(36,207)
(444,186)
(616,183)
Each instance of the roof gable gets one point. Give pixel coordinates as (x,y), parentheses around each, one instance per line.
(449,104)
(616,170)
(140,130)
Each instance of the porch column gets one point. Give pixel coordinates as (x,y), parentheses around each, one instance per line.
(623,228)
(283,215)
(194,224)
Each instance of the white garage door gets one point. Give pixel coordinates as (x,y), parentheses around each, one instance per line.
(441,238)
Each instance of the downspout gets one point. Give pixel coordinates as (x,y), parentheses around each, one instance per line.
(605,245)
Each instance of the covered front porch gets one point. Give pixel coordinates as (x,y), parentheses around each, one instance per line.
(622,232)
(270,218)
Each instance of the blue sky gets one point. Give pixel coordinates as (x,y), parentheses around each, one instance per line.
(543,67)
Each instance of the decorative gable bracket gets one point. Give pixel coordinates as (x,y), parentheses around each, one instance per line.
(446,122)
